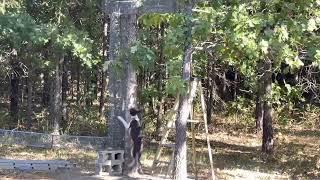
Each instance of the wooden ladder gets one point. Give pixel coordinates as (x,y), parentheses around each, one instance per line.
(170,126)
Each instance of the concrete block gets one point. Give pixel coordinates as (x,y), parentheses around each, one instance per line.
(110,162)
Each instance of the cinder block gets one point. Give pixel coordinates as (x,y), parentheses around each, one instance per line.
(110,162)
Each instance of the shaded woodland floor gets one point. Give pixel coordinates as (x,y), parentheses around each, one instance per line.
(236,155)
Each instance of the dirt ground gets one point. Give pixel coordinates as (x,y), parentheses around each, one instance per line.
(236,155)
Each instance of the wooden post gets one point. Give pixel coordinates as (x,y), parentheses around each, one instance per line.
(203,105)
(193,142)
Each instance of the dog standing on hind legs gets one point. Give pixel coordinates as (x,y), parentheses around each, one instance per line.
(134,128)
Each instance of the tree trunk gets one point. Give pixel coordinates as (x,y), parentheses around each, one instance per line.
(57,96)
(78,82)
(46,89)
(210,88)
(94,84)
(103,81)
(122,90)
(29,101)
(224,85)
(259,111)
(14,98)
(72,79)
(88,90)
(160,76)
(65,88)
(267,138)
(128,34)
(180,155)
(235,85)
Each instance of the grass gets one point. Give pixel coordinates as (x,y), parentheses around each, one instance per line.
(84,159)
(236,152)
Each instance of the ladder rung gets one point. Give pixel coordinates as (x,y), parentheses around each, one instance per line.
(170,145)
(193,120)
(163,162)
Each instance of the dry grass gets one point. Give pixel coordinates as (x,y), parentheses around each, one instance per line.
(236,155)
(83,159)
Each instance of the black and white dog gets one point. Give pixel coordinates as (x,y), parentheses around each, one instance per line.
(134,128)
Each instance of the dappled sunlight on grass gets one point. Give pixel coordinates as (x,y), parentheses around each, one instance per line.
(236,154)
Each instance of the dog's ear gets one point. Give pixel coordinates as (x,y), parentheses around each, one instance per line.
(134,111)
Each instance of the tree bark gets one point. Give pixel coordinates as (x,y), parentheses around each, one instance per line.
(211,85)
(224,85)
(65,89)
(88,91)
(267,137)
(122,90)
(128,35)
(78,82)
(57,96)
(259,110)
(46,89)
(29,101)
(94,84)
(160,76)
(103,81)
(235,85)
(180,155)
(14,98)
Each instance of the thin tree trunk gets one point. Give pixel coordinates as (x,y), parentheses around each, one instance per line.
(259,111)
(103,81)
(160,74)
(14,98)
(210,88)
(94,84)
(235,85)
(29,101)
(46,89)
(78,82)
(88,92)
(224,85)
(57,96)
(72,78)
(65,88)
(180,155)
(267,137)
(102,95)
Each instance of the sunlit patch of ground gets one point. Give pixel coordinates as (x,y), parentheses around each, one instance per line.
(236,155)
(296,154)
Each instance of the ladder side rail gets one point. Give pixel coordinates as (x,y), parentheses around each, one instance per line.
(203,105)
